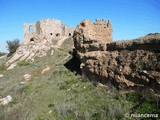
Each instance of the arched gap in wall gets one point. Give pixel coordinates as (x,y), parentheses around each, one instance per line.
(30,29)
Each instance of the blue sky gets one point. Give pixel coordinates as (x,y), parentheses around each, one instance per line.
(130,18)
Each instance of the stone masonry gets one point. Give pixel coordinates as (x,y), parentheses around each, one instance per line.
(90,36)
(46,29)
(131,65)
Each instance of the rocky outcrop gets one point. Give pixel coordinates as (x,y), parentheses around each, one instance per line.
(128,65)
(29,52)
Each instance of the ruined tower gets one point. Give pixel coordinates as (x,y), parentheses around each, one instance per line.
(46,29)
(90,36)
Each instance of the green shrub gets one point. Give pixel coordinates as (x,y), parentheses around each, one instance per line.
(84,80)
(144,104)
(70,82)
(63,87)
(51,105)
(146,107)
(95,83)
(12,46)
(96,116)
(134,97)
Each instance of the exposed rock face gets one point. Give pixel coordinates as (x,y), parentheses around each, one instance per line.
(128,65)
(29,52)
(39,38)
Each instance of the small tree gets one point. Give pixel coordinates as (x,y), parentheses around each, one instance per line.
(12,46)
(2,53)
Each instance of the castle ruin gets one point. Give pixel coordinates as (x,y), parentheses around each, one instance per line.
(46,29)
(39,38)
(90,36)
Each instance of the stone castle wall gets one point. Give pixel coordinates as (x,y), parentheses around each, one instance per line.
(90,36)
(30,30)
(132,65)
(128,65)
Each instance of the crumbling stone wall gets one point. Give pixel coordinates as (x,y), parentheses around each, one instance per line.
(132,65)
(128,65)
(46,29)
(70,31)
(90,36)
(29,31)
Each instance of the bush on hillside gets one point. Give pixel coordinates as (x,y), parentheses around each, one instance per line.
(12,46)
(2,53)
(153,33)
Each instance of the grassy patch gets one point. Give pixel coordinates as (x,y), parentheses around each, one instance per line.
(83,79)
(144,104)
(134,97)
(23,63)
(64,50)
(3,68)
(67,44)
(59,94)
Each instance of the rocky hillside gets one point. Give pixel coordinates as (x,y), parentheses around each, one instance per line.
(46,90)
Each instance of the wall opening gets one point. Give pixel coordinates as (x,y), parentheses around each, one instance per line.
(30,29)
(57,34)
(51,34)
(83,24)
(69,34)
(32,39)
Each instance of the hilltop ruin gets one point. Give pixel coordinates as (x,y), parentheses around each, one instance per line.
(132,65)
(46,29)
(39,38)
